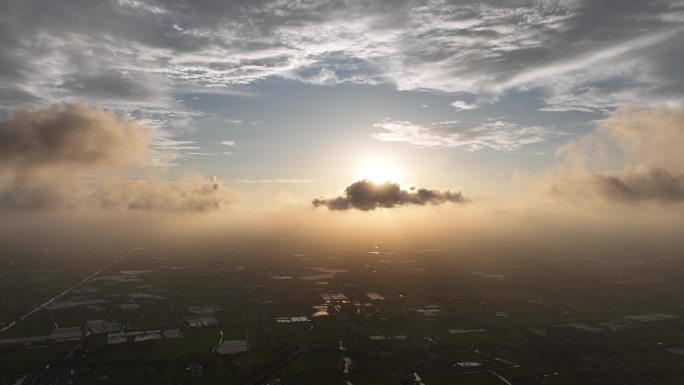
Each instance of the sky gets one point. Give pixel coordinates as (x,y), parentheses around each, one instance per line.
(347,113)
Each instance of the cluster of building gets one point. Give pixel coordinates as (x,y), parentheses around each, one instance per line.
(292,319)
(384,338)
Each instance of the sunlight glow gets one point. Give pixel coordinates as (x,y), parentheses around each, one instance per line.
(379,171)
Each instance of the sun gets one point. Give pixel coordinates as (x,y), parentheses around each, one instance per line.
(379,171)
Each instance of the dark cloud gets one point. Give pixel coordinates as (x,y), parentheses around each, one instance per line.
(649,185)
(69,136)
(366,195)
(46,156)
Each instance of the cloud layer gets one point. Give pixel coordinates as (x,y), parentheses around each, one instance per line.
(633,156)
(193,195)
(46,156)
(366,195)
(584,55)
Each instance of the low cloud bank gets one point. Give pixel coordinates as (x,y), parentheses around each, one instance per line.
(46,156)
(633,156)
(366,195)
(170,196)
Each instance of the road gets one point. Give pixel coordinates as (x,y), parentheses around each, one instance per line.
(69,289)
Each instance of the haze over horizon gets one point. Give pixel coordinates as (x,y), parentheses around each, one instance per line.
(552,122)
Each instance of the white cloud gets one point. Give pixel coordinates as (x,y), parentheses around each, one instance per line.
(203,153)
(267,181)
(228,143)
(164,150)
(461,105)
(496,135)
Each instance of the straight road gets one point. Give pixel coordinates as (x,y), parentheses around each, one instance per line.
(69,289)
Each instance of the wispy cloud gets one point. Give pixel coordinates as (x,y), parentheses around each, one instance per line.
(130,53)
(164,151)
(461,105)
(496,134)
(267,181)
(207,153)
